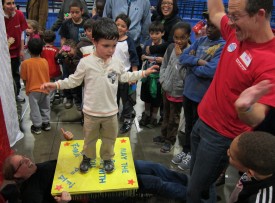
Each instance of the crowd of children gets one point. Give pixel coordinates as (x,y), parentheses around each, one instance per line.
(80,43)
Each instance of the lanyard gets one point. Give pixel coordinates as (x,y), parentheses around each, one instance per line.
(129,5)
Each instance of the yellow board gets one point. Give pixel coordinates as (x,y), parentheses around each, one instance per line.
(67,176)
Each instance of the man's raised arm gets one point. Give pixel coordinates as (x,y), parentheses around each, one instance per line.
(216,11)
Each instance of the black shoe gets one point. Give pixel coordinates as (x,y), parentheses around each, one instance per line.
(85,164)
(145,120)
(126,127)
(35,130)
(109,166)
(69,104)
(159,140)
(46,126)
(153,123)
(166,147)
(78,106)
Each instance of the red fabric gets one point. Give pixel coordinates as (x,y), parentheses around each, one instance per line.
(49,53)
(5,149)
(173,99)
(242,64)
(14,27)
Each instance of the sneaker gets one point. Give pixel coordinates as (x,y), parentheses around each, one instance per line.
(36,130)
(108,166)
(68,104)
(159,140)
(126,127)
(145,120)
(153,123)
(20,99)
(78,106)
(85,164)
(167,147)
(177,159)
(185,164)
(46,126)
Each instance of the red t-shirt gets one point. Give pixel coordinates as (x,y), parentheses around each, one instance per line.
(49,53)
(15,25)
(242,64)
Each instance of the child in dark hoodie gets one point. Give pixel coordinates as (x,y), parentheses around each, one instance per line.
(85,47)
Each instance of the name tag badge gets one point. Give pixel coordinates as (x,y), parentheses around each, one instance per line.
(246,58)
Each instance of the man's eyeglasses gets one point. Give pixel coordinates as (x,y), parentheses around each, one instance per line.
(22,161)
(233,18)
(167,3)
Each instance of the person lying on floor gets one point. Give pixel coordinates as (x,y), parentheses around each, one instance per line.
(35,180)
(250,152)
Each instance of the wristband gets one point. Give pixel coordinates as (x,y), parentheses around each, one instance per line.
(57,85)
(247,110)
(144,73)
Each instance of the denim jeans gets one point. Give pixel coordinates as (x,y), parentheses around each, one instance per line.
(155,178)
(209,158)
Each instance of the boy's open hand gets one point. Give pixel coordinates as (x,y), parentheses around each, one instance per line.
(152,69)
(49,86)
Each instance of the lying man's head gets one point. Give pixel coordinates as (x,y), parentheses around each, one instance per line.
(18,167)
(254,153)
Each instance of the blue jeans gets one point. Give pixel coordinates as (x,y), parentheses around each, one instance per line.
(155,178)
(209,158)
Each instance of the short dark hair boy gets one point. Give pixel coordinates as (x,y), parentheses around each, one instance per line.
(105,28)
(76,4)
(125,18)
(156,26)
(88,24)
(254,154)
(35,46)
(49,36)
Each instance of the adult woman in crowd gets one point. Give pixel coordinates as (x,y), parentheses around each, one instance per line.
(167,14)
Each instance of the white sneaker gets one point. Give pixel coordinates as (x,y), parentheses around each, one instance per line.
(20,99)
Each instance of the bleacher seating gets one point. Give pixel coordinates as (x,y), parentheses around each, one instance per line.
(189,10)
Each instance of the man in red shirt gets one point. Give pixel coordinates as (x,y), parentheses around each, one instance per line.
(247,59)
(15,25)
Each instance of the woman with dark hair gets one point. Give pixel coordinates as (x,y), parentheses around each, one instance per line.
(167,14)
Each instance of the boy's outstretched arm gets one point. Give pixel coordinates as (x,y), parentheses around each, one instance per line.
(50,86)
(152,69)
